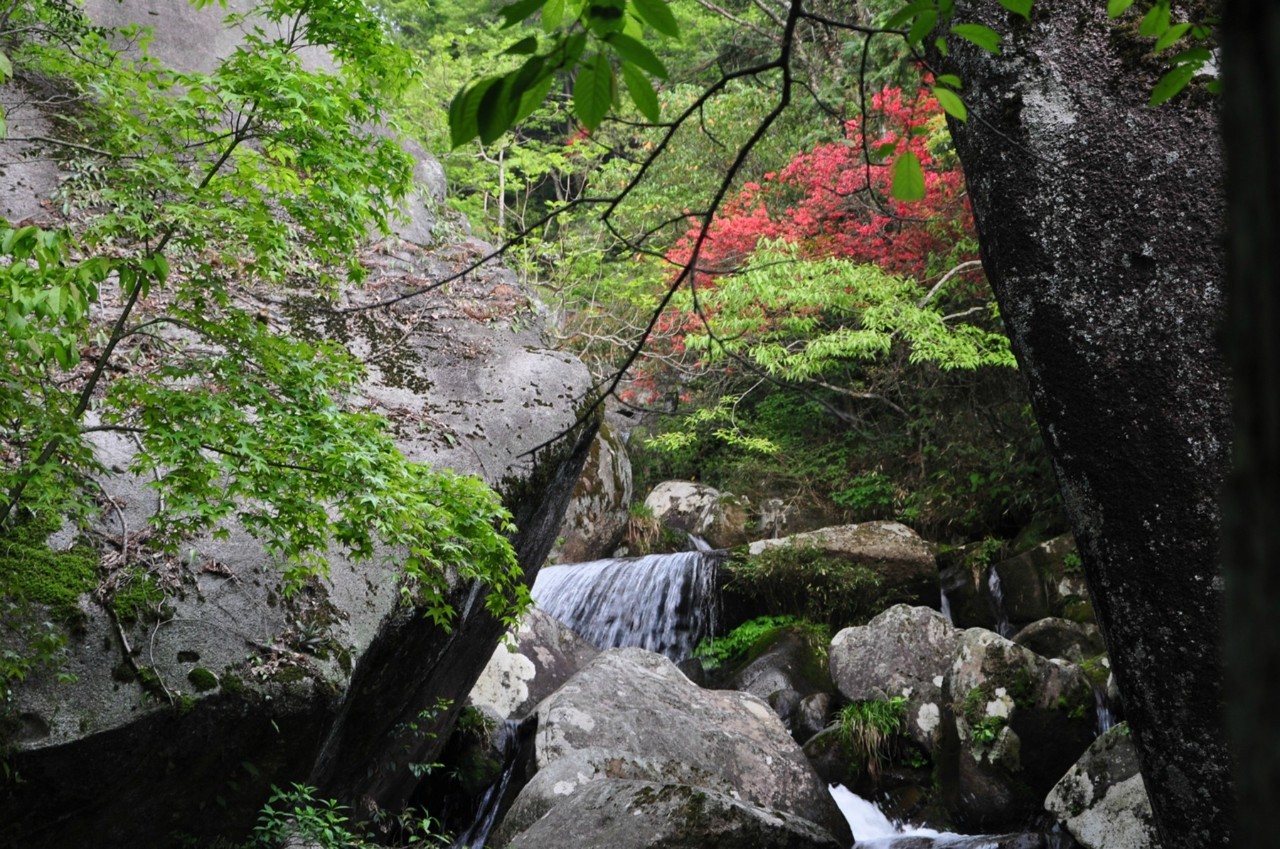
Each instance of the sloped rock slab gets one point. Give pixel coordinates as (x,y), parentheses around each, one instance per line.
(646,815)
(1102,801)
(543,655)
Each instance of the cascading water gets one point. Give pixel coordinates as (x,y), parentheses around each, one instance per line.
(512,735)
(1106,715)
(1003,626)
(665,603)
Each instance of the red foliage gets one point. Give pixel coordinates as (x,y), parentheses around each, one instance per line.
(832,202)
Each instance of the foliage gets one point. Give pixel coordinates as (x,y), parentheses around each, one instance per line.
(807,582)
(741,644)
(187,190)
(867,727)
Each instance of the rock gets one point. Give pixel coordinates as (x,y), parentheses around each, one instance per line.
(812,716)
(787,662)
(775,518)
(1054,637)
(905,651)
(785,703)
(1101,800)
(694,508)
(542,654)
(1019,721)
(640,814)
(1045,581)
(902,564)
(597,516)
(637,705)
(960,573)
(235,687)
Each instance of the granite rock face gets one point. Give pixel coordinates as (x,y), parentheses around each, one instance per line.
(338,684)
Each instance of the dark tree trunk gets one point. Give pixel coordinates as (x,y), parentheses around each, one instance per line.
(1252,131)
(1100,224)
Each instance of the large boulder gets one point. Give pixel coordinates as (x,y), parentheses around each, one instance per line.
(1101,800)
(817,571)
(649,722)
(701,510)
(594,524)
(646,815)
(1017,722)
(198,683)
(530,665)
(905,651)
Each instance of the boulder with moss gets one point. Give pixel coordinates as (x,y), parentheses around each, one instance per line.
(596,520)
(686,507)
(1101,800)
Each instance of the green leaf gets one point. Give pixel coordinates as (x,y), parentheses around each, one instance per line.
(1171,83)
(951,103)
(637,54)
(593,91)
(552,15)
(908,13)
(524,47)
(922,26)
(605,17)
(1196,56)
(463,110)
(985,37)
(1171,35)
(1116,8)
(6,67)
(1156,20)
(533,98)
(1018,7)
(518,11)
(941,43)
(886,149)
(658,15)
(908,178)
(948,80)
(642,93)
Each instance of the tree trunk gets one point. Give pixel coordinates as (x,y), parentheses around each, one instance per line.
(1252,130)
(1100,225)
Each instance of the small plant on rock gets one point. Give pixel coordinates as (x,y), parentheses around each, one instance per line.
(867,729)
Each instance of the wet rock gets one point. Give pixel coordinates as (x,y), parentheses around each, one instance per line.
(905,651)
(1101,800)
(811,716)
(790,662)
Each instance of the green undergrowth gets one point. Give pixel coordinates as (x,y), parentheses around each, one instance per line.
(32,571)
(867,730)
(750,639)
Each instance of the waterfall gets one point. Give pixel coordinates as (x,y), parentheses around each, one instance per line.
(1003,626)
(1105,713)
(665,603)
(512,735)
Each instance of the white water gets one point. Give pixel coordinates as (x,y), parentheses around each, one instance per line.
(1003,627)
(661,602)
(873,830)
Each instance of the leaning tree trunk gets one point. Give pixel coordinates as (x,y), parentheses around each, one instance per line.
(1100,225)
(1252,129)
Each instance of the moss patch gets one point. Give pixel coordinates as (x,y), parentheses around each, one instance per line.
(808,583)
(138,600)
(31,571)
(202,679)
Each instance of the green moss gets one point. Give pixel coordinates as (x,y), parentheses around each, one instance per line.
(289,674)
(138,599)
(202,679)
(232,684)
(31,571)
(807,582)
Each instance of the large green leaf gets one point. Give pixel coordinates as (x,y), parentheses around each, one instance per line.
(593,91)
(637,54)
(642,93)
(908,178)
(985,37)
(1171,83)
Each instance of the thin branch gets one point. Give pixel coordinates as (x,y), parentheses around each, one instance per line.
(937,287)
